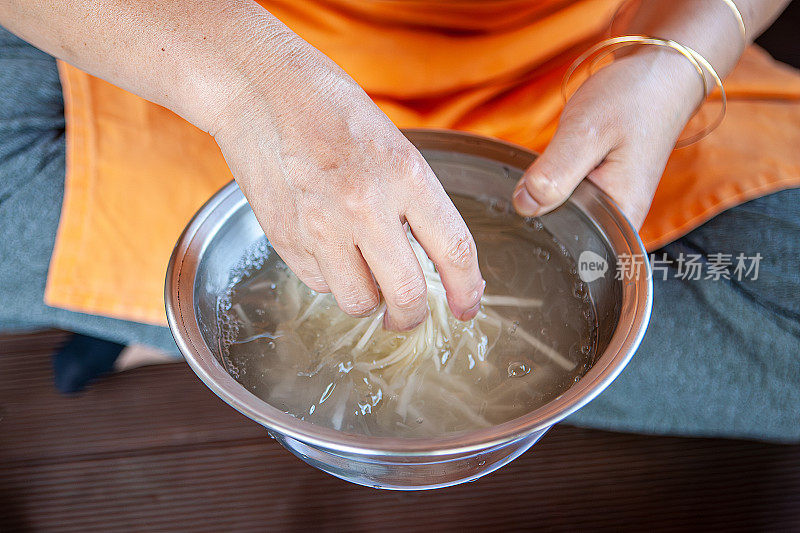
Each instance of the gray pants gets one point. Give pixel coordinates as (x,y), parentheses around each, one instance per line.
(721,357)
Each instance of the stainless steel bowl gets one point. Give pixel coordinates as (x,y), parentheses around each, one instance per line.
(225,227)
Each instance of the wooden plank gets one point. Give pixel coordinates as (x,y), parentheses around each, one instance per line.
(153,449)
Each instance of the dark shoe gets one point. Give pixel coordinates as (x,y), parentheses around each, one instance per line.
(82,360)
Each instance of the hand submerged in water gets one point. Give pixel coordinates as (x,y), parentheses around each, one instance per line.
(332,182)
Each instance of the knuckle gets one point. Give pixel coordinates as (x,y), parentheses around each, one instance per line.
(311,277)
(584,128)
(413,167)
(409,294)
(406,154)
(357,301)
(544,188)
(278,238)
(359,203)
(317,229)
(593,130)
(460,251)
(315,282)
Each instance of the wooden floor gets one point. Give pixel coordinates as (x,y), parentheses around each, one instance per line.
(153,449)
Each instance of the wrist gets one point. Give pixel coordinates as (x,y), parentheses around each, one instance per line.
(242,59)
(675,81)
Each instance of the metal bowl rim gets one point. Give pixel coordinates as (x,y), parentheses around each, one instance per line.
(186,332)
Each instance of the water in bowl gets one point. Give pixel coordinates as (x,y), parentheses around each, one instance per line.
(534,337)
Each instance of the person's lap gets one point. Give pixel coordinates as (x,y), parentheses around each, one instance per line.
(32,169)
(720,357)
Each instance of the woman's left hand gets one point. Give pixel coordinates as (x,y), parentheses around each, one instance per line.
(618,130)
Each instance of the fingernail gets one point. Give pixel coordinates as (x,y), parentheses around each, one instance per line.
(391,325)
(470,313)
(524,203)
(476,296)
(370,312)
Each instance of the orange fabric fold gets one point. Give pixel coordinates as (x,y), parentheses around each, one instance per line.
(135,175)
(136,172)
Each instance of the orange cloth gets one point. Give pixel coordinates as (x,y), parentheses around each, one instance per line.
(136,172)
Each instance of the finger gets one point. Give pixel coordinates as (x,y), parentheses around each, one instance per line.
(630,176)
(441,231)
(304,266)
(397,271)
(349,278)
(576,149)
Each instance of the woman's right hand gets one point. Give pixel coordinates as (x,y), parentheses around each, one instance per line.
(332,182)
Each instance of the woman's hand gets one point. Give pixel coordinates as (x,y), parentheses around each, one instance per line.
(618,129)
(621,125)
(332,182)
(330,179)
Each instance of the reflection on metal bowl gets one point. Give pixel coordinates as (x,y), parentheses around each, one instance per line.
(589,224)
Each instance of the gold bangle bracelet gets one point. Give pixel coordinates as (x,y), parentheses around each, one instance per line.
(723,98)
(739,19)
(697,61)
(628,40)
(737,14)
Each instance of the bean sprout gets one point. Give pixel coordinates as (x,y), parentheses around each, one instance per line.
(439,339)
